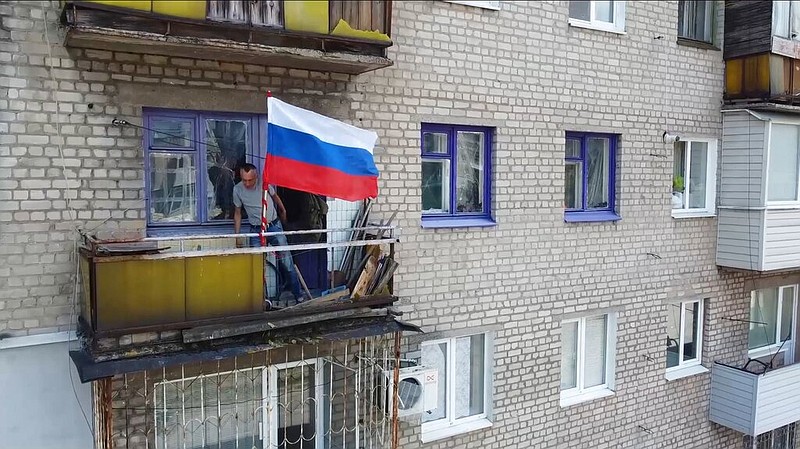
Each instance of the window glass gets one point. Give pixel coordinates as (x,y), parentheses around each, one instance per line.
(580,9)
(296,406)
(679,176)
(469,375)
(597,173)
(435,143)
(227,146)
(780,18)
(698,173)
(594,365)
(690,330)
(172,188)
(787,313)
(469,181)
(435,356)
(604,11)
(673,334)
(569,355)
(782,178)
(436,186)
(763,318)
(172,133)
(695,20)
(573,192)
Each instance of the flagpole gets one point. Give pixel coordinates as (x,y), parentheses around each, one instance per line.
(265,187)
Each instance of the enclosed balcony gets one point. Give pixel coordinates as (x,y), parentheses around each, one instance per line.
(187,283)
(754,403)
(759,190)
(338,36)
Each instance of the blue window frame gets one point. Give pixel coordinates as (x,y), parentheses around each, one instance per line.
(192,162)
(589,177)
(456,175)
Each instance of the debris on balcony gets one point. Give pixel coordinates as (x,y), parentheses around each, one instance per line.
(345,30)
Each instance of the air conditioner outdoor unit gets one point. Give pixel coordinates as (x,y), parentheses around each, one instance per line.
(417,391)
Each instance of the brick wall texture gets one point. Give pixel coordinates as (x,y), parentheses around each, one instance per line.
(523,70)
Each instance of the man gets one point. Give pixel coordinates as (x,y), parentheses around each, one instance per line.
(248,194)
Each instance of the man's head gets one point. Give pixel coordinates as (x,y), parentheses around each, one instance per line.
(249,175)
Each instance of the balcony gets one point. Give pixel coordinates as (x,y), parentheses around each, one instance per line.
(181,283)
(754,403)
(338,36)
(759,202)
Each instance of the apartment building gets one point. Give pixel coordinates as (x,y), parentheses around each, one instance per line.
(561,185)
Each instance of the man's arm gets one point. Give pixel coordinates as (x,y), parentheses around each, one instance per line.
(237,224)
(279,206)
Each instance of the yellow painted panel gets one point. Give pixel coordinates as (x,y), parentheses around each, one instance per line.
(222,286)
(344,29)
(190,9)
(143,5)
(763,73)
(140,293)
(306,15)
(733,76)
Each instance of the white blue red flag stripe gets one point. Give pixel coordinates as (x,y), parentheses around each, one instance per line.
(310,152)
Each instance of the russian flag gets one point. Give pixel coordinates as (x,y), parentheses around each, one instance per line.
(310,152)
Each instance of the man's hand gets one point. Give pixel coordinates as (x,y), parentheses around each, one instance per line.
(239,242)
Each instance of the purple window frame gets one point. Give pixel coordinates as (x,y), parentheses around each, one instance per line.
(460,219)
(584,214)
(257,138)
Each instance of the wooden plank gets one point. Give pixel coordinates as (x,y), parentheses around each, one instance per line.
(267,13)
(335,11)
(378,15)
(364,15)
(360,288)
(207,333)
(350,12)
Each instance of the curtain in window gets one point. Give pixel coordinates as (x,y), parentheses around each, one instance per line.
(783,154)
(780,18)
(435,356)
(594,365)
(597,177)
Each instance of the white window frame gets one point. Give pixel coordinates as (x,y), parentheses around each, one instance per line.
(711,180)
(449,425)
(788,347)
(616,26)
(485,4)
(269,402)
(694,366)
(580,394)
(777,204)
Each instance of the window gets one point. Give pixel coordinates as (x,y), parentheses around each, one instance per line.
(786,19)
(493,5)
(589,177)
(456,175)
(599,15)
(684,334)
(780,438)
(772,317)
(192,162)
(587,358)
(694,178)
(695,20)
(465,385)
(783,175)
(230,409)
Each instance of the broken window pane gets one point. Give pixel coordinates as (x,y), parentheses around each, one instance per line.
(436,186)
(173,178)
(469,188)
(227,145)
(597,155)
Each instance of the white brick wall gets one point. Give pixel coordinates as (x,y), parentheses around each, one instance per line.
(522,70)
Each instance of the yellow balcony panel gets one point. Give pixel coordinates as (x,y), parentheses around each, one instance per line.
(139,5)
(222,286)
(134,293)
(306,15)
(190,9)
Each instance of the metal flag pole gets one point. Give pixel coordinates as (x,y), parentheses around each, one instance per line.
(265,186)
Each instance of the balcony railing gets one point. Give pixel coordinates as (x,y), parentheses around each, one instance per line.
(163,283)
(339,36)
(754,403)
